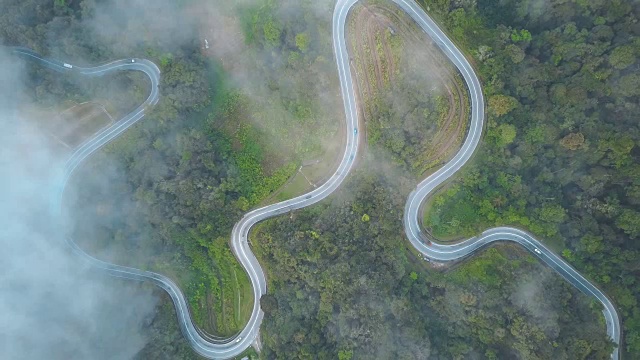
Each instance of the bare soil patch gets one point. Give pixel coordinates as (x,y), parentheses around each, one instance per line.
(380,36)
(70,127)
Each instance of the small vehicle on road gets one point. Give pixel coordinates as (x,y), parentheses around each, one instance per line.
(537,251)
(133,60)
(308,197)
(68,66)
(355,131)
(238,339)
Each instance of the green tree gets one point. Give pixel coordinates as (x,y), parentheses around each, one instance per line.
(622,57)
(592,244)
(345,354)
(502,104)
(268,303)
(522,35)
(272,30)
(628,85)
(515,53)
(553,213)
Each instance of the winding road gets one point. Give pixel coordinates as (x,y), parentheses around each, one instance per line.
(210,347)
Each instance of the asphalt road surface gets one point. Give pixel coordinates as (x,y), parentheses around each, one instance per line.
(466,248)
(216,348)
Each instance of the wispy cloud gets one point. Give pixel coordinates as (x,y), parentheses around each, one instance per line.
(51,305)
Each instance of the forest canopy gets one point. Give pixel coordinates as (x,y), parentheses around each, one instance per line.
(560,158)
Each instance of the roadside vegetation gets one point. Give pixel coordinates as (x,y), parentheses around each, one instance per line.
(206,155)
(295,103)
(559,158)
(71,108)
(165,195)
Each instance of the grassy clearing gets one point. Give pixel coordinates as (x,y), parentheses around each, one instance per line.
(82,121)
(244,294)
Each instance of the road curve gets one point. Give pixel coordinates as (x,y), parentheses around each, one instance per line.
(216,349)
(205,344)
(466,248)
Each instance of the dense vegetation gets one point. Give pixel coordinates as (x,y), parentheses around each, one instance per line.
(165,195)
(343,285)
(186,174)
(559,158)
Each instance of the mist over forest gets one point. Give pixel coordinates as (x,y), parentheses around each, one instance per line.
(44,288)
(250,113)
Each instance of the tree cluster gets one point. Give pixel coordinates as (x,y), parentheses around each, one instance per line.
(560,156)
(341,287)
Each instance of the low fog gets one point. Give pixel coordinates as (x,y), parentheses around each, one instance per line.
(51,306)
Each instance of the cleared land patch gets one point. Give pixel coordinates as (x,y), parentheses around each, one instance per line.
(413,101)
(69,128)
(79,122)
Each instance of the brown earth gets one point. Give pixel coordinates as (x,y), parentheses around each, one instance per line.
(368,25)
